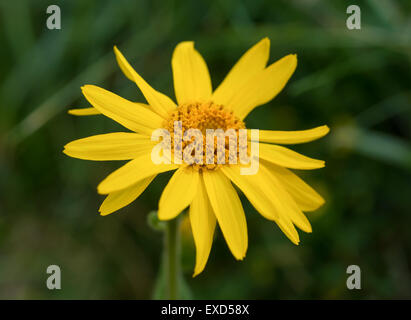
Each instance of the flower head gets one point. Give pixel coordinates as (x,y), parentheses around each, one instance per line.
(205,186)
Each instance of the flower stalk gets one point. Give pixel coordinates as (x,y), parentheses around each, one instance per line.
(172,259)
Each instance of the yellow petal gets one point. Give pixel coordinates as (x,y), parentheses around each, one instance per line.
(263,87)
(129,114)
(305,196)
(93,111)
(278,209)
(287,158)
(280,204)
(250,64)
(261,195)
(192,81)
(178,193)
(203,222)
(84,112)
(119,199)
(267,195)
(288,229)
(228,210)
(159,102)
(132,172)
(292,137)
(291,209)
(110,146)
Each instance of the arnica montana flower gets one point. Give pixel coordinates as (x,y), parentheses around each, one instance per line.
(277,193)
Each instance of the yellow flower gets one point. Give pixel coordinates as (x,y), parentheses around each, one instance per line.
(276,192)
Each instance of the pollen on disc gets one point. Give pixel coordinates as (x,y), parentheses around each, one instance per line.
(203,116)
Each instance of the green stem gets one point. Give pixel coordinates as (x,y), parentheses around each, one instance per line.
(172,250)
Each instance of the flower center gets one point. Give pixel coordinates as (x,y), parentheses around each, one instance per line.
(206,116)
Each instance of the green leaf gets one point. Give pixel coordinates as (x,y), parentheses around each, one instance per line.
(377,145)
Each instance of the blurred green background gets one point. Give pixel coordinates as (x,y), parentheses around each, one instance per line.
(358,82)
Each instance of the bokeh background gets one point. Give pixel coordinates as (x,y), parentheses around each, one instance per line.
(358,82)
